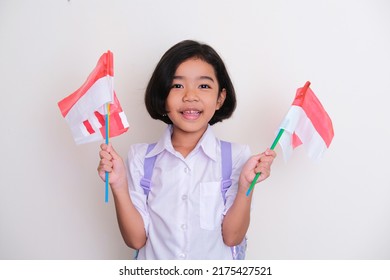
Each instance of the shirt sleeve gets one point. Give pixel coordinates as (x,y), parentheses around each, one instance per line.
(240,155)
(135,171)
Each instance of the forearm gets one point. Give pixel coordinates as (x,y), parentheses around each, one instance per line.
(236,220)
(130,221)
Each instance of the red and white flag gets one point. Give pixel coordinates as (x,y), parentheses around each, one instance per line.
(85,110)
(306,123)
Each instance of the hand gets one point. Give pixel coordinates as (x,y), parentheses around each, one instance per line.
(255,164)
(112,163)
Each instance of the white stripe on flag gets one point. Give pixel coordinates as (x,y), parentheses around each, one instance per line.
(297,121)
(124,119)
(91,138)
(96,96)
(96,125)
(82,136)
(84,130)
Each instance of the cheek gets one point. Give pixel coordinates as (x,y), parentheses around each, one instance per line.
(171,102)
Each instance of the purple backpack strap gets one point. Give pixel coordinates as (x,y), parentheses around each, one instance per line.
(148,170)
(226,155)
(238,251)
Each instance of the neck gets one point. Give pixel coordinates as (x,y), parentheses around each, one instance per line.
(184,142)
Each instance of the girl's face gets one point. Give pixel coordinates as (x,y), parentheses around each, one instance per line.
(194,97)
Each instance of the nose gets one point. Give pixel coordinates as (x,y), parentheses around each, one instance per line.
(190,95)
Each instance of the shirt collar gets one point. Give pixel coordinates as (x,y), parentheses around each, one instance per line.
(208,143)
(164,143)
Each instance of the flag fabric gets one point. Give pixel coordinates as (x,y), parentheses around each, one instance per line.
(306,123)
(84,110)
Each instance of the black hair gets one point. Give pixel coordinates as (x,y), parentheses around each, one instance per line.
(160,82)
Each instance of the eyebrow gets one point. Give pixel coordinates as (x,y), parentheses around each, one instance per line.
(198,78)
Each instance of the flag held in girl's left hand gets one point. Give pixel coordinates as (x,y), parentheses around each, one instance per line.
(306,123)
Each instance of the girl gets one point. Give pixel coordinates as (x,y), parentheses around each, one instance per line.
(184,215)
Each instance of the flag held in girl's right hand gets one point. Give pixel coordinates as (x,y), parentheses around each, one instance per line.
(85,109)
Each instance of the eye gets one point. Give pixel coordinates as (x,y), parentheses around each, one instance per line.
(177,86)
(204,86)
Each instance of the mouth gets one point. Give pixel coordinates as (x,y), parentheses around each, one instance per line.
(191,114)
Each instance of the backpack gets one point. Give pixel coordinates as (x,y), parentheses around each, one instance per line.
(238,251)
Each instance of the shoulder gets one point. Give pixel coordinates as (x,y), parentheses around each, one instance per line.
(240,153)
(137,153)
(240,148)
(138,149)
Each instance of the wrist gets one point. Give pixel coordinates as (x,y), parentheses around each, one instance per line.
(241,195)
(244,186)
(120,187)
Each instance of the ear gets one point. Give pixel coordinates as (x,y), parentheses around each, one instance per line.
(221,98)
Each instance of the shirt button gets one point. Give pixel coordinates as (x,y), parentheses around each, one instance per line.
(183,226)
(184,197)
(186,170)
(182,256)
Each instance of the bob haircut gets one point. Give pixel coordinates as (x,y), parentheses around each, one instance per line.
(160,83)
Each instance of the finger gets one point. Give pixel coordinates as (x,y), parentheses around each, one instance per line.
(266,160)
(268,156)
(106,163)
(263,176)
(270,153)
(105,155)
(112,152)
(256,158)
(105,166)
(264,165)
(263,170)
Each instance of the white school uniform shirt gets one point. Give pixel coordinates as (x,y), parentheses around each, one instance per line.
(184,210)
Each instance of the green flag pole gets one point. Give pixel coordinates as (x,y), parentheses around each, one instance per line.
(258,174)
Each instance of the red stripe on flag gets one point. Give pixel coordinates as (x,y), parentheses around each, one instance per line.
(88,126)
(103,68)
(315,112)
(296,141)
(101,119)
(116,124)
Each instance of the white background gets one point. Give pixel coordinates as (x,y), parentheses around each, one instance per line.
(51,199)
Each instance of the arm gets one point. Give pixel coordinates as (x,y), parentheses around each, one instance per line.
(129,219)
(236,221)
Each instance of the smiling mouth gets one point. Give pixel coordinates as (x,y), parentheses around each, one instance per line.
(191,114)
